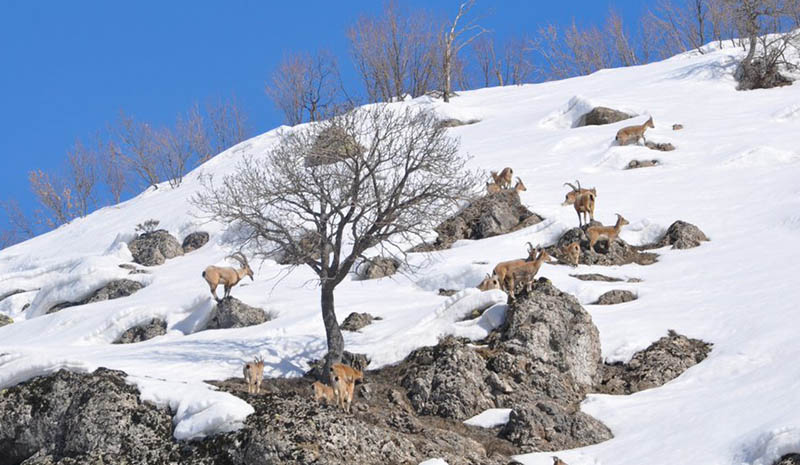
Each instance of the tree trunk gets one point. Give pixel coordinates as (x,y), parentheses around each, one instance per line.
(332,331)
(447,63)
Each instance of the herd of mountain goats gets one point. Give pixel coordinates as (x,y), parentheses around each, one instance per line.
(506,276)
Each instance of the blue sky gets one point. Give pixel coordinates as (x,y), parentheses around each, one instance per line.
(68,68)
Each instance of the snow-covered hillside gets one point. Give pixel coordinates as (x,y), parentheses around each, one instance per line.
(734,173)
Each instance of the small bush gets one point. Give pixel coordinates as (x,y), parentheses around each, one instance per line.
(147,227)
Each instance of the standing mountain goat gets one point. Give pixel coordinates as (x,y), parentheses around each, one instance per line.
(504,178)
(634,133)
(502,269)
(524,274)
(584,200)
(595,233)
(253,374)
(569,199)
(227,276)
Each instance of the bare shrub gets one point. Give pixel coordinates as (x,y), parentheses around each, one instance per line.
(327,216)
(147,226)
(454,38)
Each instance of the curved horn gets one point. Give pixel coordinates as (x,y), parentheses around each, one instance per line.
(570,185)
(578,183)
(530,246)
(239,257)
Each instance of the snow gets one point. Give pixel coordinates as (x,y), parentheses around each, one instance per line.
(734,174)
(490,418)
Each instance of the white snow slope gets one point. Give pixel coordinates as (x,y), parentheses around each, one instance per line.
(734,174)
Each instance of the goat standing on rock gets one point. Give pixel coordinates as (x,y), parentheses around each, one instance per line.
(583,200)
(227,276)
(595,233)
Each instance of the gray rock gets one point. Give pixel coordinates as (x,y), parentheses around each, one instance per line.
(448,292)
(618,252)
(5,320)
(548,426)
(97,418)
(378,267)
(760,74)
(789,459)
(453,122)
(487,216)
(677,127)
(602,115)
(331,145)
(194,241)
(356,321)
(113,290)
(233,313)
(357,361)
(660,146)
(682,235)
(663,361)
(305,247)
(642,164)
(143,332)
(154,248)
(133,269)
(617,296)
(595,277)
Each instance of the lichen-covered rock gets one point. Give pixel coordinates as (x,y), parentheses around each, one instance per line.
(617,296)
(233,313)
(378,267)
(617,252)
(5,320)
(789,459)
(194,241)
(113,290)
(143,332)
(602,115)
(154,248)
(97,416)
(682,235)
(356,321)
(487,216)
(548,426)
(596,277)
(663,361)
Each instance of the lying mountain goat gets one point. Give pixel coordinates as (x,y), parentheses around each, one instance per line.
(524,273)
(502,269)
(569,199)
(573,252)
(583,203)
(489,282)
(227,276)
(504,178)
(595,233)
(634,133)
(253,374)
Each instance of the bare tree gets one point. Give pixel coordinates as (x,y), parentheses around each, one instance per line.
(305,87)
(53,194)
(227,126)
(618,38)
(82,178)
(516,68)
(486,59)
(402,177)
(455,38)
(138,148)
(113,169)
(396,53)
(19,226)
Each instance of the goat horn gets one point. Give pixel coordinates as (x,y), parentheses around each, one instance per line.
(578,183)
(570,185)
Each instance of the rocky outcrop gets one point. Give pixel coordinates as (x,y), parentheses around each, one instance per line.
(663,361)
(378,267)
(634,164)
(5,320)
(487,216)
(548,426)
(333,144)
(356,321)
(602,115)
(617,296)
(233,313)
(789,459)
(143,332)
(618,252)
(194,241)
(760,74)
(682,235)
(89,418)
(113,290)
(154,248)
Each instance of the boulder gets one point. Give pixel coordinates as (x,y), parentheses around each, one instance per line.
(356,321)
(487,216)
(331,145)
(663,361)
(194,241)
(603,115)
(306,246)
(447,292)
(617,296)
(154,248)
(595,277)
(760,74)
(548,426)
(453,122)
(660,146)
(233,313)
(5,320)
(682,235)
(143,332)
(618,252)
(113,290)
(90,418)
(641,164)
(378,267)
(789,459)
